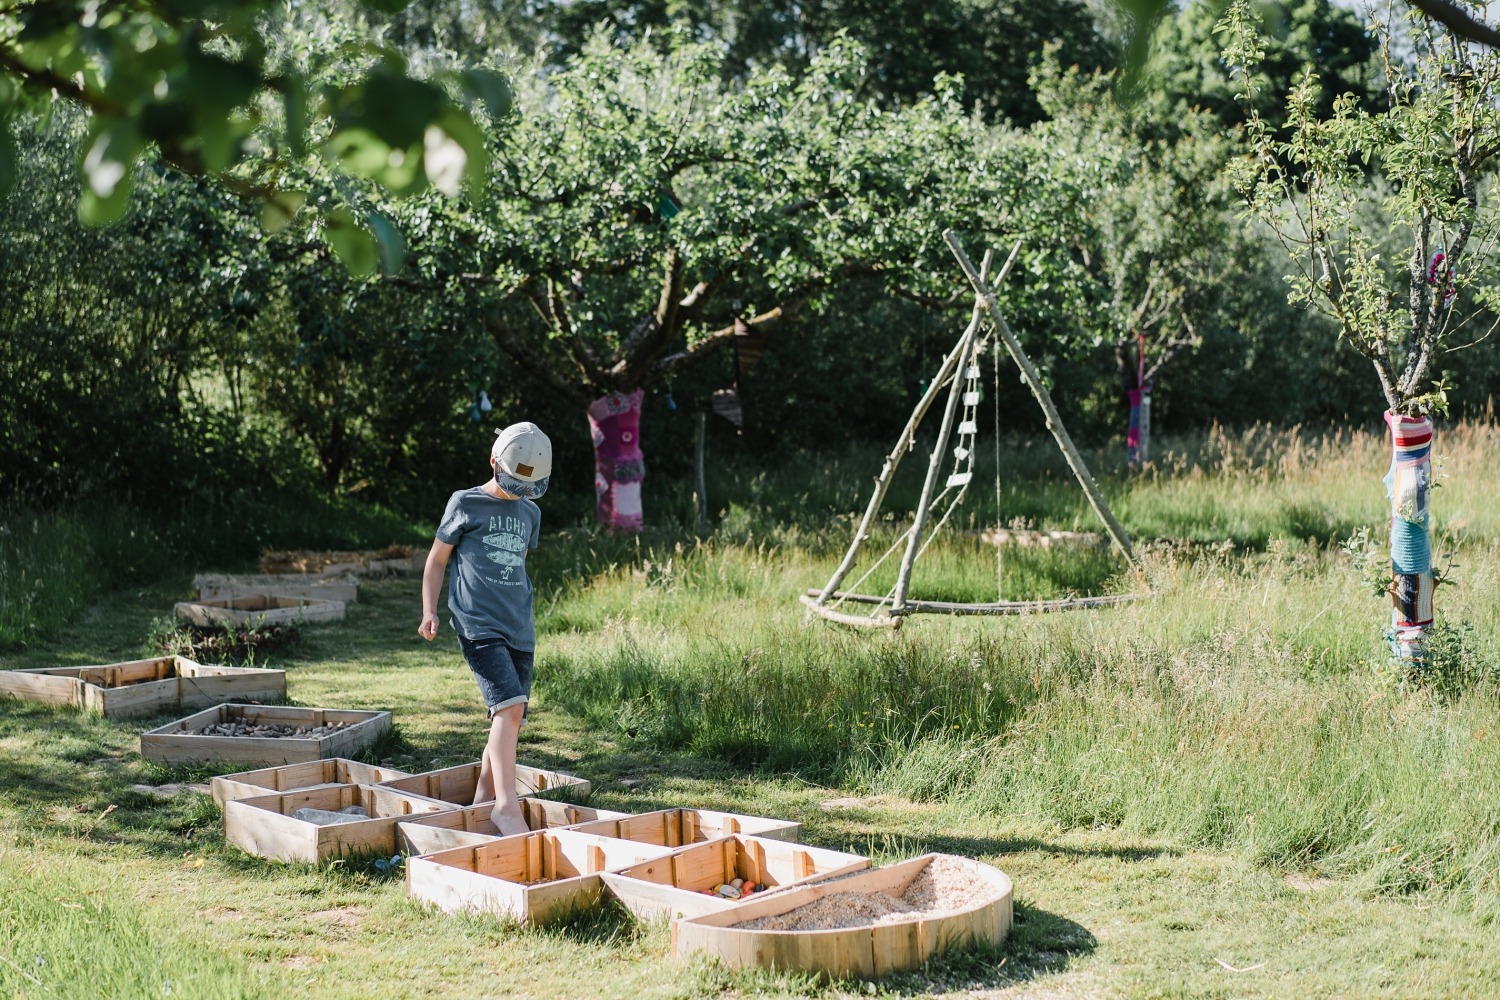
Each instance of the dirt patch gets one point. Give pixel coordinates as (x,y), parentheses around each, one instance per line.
(341,916)
(1306,882)
(219,914)
(299,962)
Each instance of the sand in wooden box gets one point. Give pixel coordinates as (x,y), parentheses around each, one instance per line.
(180,742)
(294,777)
(676,827)
(457,784)
(532,877)
(471,825)
(673,886)
(259,609)
(265,826)
(214,586)
(143,687)
(939,901)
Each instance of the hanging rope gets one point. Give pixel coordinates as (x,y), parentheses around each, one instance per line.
(999,549)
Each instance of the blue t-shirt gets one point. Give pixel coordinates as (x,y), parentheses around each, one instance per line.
(489,592)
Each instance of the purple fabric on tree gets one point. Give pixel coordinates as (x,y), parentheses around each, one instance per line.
(619,465)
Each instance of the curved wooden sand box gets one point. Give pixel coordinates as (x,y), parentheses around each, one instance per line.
(867,951)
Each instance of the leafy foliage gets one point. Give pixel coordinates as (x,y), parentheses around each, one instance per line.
(1430,147)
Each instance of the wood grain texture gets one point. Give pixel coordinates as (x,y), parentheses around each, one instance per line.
(290,777)
(866,952)
(264,826)
(177,742)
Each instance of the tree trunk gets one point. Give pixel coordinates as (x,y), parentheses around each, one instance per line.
(619,466)
(1408,484)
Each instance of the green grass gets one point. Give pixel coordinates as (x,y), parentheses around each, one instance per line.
(1222,791)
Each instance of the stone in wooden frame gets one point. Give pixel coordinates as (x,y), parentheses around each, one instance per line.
(264,826)
(868,952)
(295,777)
(179,743)
(531,877)
(259,609)
(673,886)
(143,687)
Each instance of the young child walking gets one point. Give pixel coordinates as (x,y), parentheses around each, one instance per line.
(486,532)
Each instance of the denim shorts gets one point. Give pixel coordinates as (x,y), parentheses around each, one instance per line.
(503,674)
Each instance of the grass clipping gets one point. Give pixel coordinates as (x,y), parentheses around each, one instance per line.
(946,886)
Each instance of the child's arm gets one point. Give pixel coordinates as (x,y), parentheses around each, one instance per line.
(432,582)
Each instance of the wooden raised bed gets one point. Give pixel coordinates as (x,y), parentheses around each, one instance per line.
(469,826)
(179,742)
(394,559)
(259,609)
(295,777)
(456,784)
(264,826)
(532,877)
(868,951)
(673,886)
(214,586)
(676,827)
(143,687)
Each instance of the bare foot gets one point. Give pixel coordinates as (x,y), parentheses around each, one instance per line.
(508,819)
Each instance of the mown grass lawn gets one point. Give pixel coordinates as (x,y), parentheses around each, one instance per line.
(1219,792)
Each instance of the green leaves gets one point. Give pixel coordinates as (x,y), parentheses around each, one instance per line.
(195,82)
(108,159)
(362,248)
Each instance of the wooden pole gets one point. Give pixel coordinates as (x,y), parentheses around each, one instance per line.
(1054,421)
(906,440)
(934,466)
(700,489)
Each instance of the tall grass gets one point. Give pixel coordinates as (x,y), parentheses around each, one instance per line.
(1248,705)
(54,563)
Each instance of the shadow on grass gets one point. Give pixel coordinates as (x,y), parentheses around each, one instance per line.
(1040,944)
(891,842)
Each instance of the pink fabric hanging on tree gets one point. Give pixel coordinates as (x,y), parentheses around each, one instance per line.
(619,465)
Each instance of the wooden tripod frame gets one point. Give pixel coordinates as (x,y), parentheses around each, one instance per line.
(986,306)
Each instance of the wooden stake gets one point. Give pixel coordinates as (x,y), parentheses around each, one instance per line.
(700,488)
(1054,421)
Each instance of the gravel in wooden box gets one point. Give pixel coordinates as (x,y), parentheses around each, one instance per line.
(214,586)
(457,784)
(259,609)
(675,886)
(865,925)
(676,827)
(471,825)
(306,734)
(294,777)
(143,687)
(532,877)
(266,826)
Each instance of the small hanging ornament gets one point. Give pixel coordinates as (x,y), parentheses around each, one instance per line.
(484,402)
(671,403)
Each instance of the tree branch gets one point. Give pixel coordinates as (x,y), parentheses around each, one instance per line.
(533,360)
(1458,21)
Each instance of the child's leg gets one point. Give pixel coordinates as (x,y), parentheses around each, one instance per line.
(497,772)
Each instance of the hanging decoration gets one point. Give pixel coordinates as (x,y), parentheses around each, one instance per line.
(619,464)
(1437,274)
(1138,434)
(1408,484)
